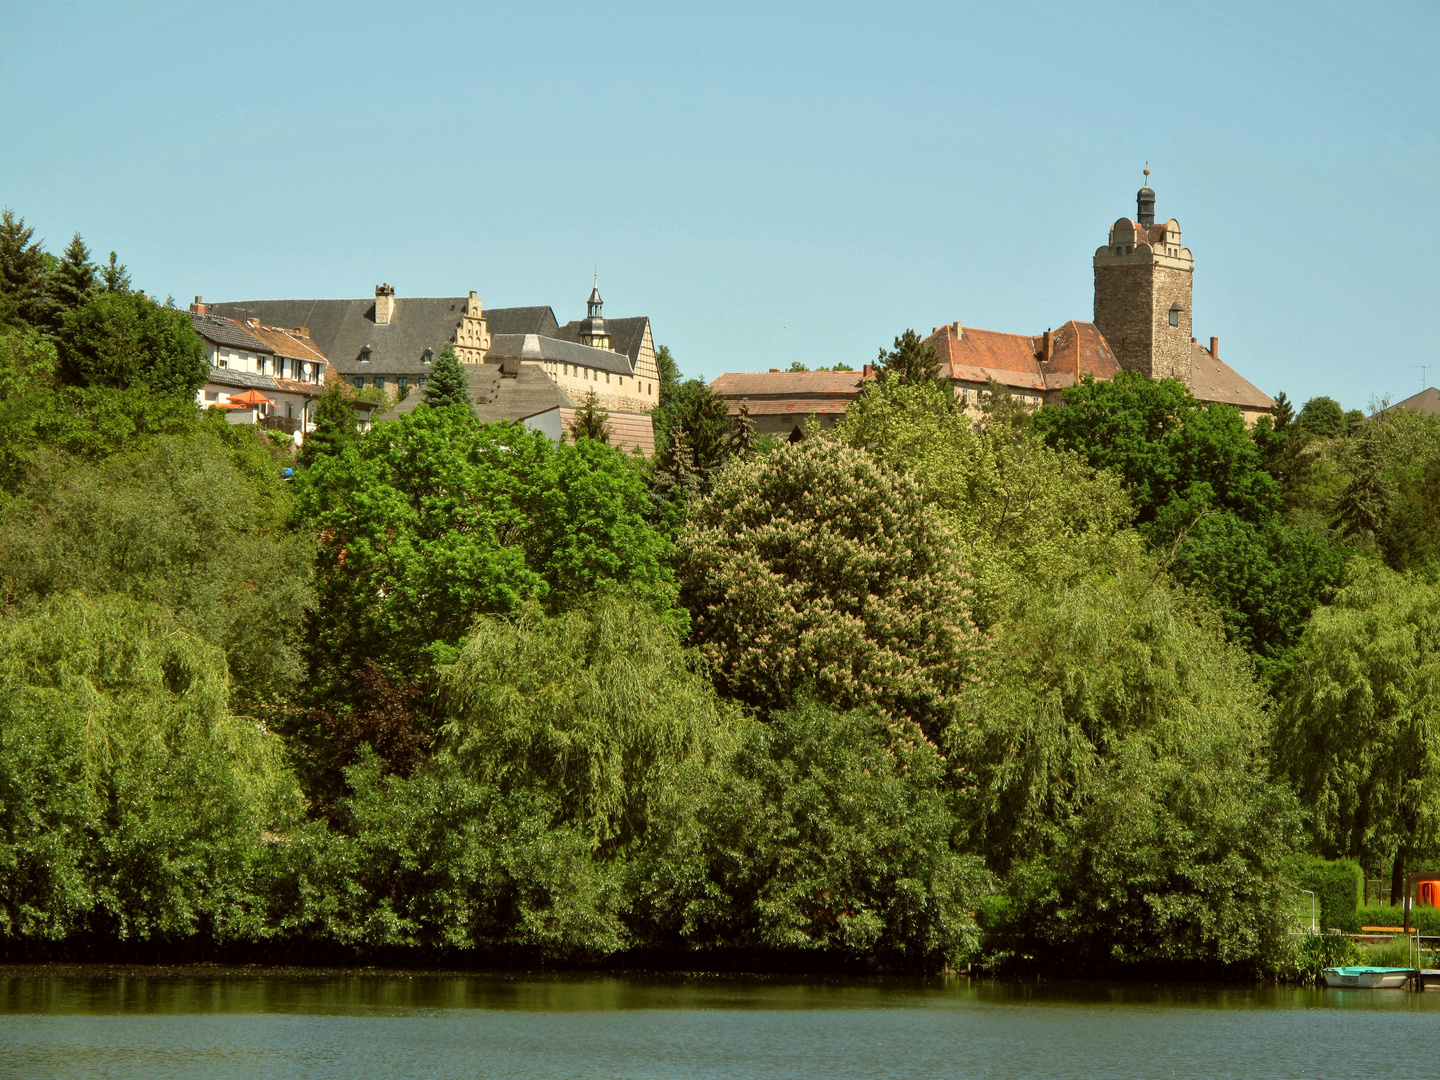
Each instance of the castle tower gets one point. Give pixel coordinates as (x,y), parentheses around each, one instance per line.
(1143,282)
(592,329)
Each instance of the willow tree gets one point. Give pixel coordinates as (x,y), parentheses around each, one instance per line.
(1358,733)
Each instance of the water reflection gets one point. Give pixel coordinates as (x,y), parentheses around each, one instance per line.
(218,1023)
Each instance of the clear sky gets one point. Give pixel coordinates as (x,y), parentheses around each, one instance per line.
(768,182)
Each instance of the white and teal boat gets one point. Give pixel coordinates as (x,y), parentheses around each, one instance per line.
(1368,978)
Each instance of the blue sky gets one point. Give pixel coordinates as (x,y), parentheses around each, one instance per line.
(768,182)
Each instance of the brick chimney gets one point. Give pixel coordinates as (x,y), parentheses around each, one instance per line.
(384,304)
(1047,346)
(199,307)
(1215,347)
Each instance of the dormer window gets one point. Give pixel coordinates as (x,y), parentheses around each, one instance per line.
(428,356)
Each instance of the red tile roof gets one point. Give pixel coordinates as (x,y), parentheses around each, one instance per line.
(1016,360)
(295,344)
(757,385)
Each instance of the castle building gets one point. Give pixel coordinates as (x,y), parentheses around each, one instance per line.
(1143,322)
(390,344)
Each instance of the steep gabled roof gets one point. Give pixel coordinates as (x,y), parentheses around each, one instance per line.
(293,344)
(1017,360)
(1427,401)
(626,334)
(1211,379)
(342,329)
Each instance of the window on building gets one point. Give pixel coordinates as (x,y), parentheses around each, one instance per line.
(379,384)
(260,364)
(607,377)
(1175,314)
(401,384)
(420,383)
(359,384)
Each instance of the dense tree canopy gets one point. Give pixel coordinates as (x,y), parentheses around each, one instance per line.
(432,519)
(126,341)
(815,568)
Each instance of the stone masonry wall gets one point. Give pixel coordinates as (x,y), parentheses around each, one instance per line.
(1170,345)
(1124,313)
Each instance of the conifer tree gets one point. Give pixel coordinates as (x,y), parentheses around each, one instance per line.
(335,426)
(22,272)
(911,361)
(75,278)
(448,383)
(591,421)
(114,276)
(741,442)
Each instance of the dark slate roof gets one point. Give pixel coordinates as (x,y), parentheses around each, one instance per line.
(534,349)
(625,334)
(499,398)
(248,380)
(224,332)
(342,328)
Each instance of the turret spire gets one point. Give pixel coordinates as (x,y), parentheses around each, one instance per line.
(1145,202)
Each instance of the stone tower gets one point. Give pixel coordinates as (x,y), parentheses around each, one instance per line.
(1142,293)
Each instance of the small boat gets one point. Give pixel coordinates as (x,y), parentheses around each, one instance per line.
(1368,978)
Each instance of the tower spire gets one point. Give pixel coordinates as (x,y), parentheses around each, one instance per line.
(1145,202)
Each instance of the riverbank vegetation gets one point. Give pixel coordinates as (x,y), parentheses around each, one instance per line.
(1099,686)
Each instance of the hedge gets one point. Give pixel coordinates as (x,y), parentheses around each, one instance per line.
(1336,884)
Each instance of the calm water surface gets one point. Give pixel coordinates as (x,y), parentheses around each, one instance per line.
(221,1023)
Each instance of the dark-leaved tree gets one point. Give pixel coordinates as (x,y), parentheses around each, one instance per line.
(591,421)
(22,273)
(335,426)
(126,341)
(910,361)
(448,383)
(76,277)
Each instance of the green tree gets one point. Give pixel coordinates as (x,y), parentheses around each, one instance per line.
(796,367)
(114,277)
(76,278)
(448,384)
(911,361)
(1323,417)
(1358,731)
(599,706)
(591,421)
(1162,442)
(742,442)
(669,372)
(335,425)
(834,832)
(135,803)
(1027,517)
(195,523)
(22,273)
(126,341)
(815,567)
(433,520)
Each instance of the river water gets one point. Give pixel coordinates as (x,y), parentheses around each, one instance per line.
(200,1023)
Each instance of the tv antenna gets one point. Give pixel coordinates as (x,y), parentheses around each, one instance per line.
(1424,374)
